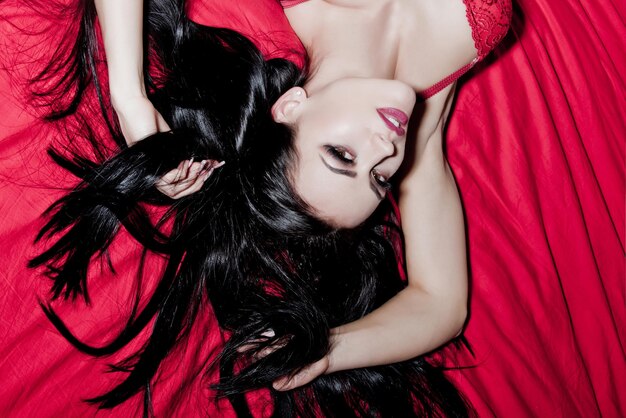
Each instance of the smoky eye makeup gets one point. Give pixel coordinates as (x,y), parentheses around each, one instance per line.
(340,154)
(345,158)
(381,180)
(336,170)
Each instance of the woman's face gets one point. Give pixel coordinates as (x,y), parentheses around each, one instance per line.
(350,138)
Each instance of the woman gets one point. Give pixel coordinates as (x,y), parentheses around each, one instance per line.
(326,87)
(109,192)
(347,55)
(493,391)
(341,82)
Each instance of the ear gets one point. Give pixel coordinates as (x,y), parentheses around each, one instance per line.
(286,107)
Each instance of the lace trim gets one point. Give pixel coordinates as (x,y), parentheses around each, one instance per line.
(489,21)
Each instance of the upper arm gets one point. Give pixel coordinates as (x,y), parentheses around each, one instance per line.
(430,207)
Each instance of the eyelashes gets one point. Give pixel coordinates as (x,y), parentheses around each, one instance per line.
(381,180)
(344,156)
(340,154)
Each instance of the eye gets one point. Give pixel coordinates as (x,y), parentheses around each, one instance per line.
(340,154)
(381,180)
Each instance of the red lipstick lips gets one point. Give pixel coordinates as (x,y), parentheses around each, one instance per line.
(394,118)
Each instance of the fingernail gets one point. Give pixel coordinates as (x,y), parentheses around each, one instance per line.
(270,332)
(215,164)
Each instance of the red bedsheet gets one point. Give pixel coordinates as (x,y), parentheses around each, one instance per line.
(537,145)
(536,142)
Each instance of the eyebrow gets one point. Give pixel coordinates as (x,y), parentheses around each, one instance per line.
(352,174)
(335,170)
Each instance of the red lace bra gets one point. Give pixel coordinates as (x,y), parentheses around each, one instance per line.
(489,21)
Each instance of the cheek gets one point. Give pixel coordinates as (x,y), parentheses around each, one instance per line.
(342,206)
(330,202)
(354,211)
(336,124)
(339,200)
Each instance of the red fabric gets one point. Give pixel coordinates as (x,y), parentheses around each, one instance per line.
(536,143)
(263,22)
(489,21)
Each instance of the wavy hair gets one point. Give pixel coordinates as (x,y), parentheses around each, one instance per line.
(246,242)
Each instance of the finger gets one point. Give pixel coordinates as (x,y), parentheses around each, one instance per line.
(207,169)
(189,165)
(169,179)
(198,181)
(253,343)
(175,175)
(176,181)
(287,383)
(270,332)
(280,384)
(185,186)
(167,190)
(213,165)
(174,191)
(266,351)
(192,188)
(172,175)
(299,379)
(188,174)
(304,376)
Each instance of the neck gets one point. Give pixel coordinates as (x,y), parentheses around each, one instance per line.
(356,41)
(328,68)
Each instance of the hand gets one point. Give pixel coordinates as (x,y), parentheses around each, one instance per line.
(304,376)
(138,118)
(187,178)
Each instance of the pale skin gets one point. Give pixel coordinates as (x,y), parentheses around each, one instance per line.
(421,43)
(122,27)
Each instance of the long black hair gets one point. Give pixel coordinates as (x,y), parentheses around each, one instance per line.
(246,242)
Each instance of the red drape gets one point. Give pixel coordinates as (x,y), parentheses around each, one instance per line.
(536,142)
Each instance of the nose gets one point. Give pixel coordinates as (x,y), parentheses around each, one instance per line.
(384,145)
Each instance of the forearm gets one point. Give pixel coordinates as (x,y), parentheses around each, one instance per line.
(432,309)
(410,324)
(121,22)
